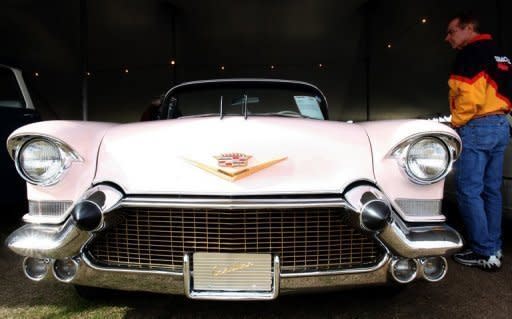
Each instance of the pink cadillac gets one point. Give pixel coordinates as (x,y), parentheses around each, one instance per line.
(240,189)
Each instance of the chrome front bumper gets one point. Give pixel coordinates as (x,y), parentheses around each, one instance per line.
(179,284)
(68,241)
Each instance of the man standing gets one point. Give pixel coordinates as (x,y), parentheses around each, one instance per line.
(480,91)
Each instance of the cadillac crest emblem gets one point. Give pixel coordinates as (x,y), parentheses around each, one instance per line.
(232,159)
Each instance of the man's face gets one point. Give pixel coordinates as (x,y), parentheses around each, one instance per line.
(458,37)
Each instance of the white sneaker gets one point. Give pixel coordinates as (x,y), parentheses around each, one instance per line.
(493,263)
(499,255)
(472,259)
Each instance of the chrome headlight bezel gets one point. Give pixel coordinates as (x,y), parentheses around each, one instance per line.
(448,142)
(434,178)
(18,144)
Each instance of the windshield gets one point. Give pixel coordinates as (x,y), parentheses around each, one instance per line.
(246,98)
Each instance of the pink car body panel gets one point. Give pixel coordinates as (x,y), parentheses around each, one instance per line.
(151,158)
(84,138)
(390,177)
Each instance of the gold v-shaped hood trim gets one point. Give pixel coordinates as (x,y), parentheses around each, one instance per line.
(234,175)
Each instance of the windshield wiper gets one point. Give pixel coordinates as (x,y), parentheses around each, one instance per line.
(198,115)
(221,111)
(287,114)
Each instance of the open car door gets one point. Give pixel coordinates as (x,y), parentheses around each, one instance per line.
(16,109)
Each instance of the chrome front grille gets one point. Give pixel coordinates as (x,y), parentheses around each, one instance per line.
(306,240)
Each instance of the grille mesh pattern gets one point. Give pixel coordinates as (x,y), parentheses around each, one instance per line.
(418,207)
(48,208)
(305,239)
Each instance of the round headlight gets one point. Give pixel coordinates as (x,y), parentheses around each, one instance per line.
(40,161)
(428,159)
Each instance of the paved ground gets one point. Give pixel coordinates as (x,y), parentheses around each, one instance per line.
(465,293)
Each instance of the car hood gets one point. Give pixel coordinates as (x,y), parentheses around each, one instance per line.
(288,156)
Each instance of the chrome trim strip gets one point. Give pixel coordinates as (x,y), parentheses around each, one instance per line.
(232,203)
(187,278)
(164,282)
(54,220)
(89,262)
(422,219)
(385,259)
(414,242)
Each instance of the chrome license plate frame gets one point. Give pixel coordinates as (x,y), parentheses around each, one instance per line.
(225,276)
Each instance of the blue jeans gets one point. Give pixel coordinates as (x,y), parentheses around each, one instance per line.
(479,173)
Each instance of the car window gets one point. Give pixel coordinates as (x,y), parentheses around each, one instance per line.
(207,101)
(260,100)
(10,94)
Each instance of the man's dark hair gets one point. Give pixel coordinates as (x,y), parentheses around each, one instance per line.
(465,18)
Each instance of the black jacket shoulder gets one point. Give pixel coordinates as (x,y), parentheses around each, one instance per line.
(474,59)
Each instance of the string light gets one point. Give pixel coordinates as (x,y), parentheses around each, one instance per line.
(424,20)
(126,71)
(389,45)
